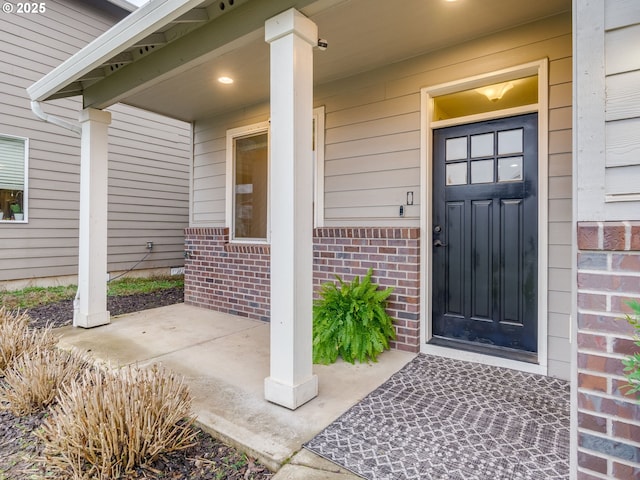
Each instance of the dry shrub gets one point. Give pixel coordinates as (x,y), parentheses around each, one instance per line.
(34,379)
(16,338)
(108,423)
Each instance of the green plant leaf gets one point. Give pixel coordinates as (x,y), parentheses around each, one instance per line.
(632,362)
(350,320)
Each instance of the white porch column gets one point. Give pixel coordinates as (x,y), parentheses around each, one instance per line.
(91,310)
(292,36)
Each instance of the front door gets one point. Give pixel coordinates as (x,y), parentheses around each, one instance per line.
(485,237)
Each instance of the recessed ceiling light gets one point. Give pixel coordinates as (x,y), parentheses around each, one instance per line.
(226,80)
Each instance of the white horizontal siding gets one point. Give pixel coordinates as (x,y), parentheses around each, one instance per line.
(148,159)
(622,119)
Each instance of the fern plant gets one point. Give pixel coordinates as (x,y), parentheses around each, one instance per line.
(632,362)
(349,320)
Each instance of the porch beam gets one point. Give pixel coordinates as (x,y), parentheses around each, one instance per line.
(291,36)
(221,35)
(91,305)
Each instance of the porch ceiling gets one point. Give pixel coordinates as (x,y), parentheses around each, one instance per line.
(362,35)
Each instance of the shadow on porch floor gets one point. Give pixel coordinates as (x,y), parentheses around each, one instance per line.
(225,360)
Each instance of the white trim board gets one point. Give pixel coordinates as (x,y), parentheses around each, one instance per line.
(539,68)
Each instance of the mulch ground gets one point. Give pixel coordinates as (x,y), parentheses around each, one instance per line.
(208,459)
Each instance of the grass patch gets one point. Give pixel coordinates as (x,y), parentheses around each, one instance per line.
(131,286)
(31,297)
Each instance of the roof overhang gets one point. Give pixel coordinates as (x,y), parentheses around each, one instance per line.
(102,51)
(165,56)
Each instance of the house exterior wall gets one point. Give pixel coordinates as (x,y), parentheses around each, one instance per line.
(372,149)
(148,160)
(608,420)
(235,278)
(607,228)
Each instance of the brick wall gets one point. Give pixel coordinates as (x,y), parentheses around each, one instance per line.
(394,255)
(234,278)
(608,420)
(226,277)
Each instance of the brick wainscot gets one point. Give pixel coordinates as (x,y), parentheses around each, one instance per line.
(234,277)
(608,420)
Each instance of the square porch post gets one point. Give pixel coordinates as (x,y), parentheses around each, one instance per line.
(292,37)
(91,310)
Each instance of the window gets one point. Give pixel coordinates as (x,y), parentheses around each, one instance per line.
(248,182)
(13,177)
(247,199)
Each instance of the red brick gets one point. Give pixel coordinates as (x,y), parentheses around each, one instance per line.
(635,236)
(625,472)
(590,281)
(620,388)
(625,346)
(609,282)
(592,422)
(614,236)
(592,301)
(620,304)
(586,476)
(604,324)
(625,262)
(619,407)
(591,462)
(588,341)
(626,431)
(588,236)
(598,363)
(235,278)
(592,382)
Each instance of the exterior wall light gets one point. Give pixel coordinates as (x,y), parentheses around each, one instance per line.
(495,92)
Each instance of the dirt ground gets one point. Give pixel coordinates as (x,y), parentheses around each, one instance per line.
(208,459)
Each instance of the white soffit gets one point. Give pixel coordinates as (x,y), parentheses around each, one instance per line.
(132,29)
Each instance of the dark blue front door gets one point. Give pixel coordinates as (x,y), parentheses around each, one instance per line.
(485,237)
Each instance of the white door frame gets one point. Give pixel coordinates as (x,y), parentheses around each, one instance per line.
(427,125)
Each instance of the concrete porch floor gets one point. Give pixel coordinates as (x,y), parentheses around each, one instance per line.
(225,360)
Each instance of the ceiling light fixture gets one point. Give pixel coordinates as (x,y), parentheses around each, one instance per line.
(225,80)
(495,92)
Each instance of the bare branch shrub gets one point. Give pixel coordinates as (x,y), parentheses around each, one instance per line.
(34,379)
(16,338)
(107,423)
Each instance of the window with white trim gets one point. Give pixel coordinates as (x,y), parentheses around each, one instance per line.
(13,178)
(247,199)
(250,185)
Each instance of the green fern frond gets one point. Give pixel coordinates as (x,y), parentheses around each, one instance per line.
(350,320)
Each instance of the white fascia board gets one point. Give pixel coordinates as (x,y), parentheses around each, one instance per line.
(133,28)
(124,4)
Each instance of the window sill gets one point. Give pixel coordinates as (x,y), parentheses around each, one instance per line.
(14,221)
(257,248)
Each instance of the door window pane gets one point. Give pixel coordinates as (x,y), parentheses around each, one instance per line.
(456,148)
(482,171)
(510,169)
(250,186)
(482,145)
(510,141)
(457,173)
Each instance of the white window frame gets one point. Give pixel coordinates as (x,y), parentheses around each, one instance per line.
(318,167)
(232,134)
(25,196)
(318,175)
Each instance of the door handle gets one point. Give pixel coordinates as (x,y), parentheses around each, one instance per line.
(438,243)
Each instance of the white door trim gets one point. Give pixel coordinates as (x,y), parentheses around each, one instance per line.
(539,68)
